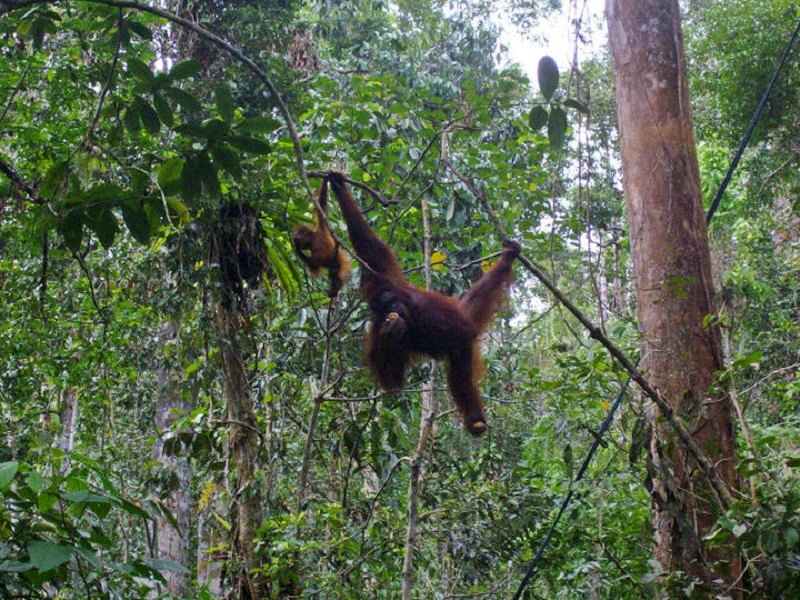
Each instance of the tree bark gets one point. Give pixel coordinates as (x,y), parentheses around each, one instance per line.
(243,448)
(680,350)
(68,416)
(171,543)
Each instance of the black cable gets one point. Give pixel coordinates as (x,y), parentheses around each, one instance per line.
(751,127)
(564,503)
(610,416)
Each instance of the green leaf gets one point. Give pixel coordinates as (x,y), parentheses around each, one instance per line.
(249,144)
(216,130)
(140,29)
(227,159)
(140,70)
(46,501)
(36,481)
(139,181)
(179,208)
(191,180)
(579,106)
(36,32)
(537,118)
(169,176)
(224,100)
(165,565)
(569,461)
(104,192)
(71,229)
(793,462)
(557,128)
(283,270)
(133,119)
(548,76)
(258,125)
(54,178)
(192,129)
(185,100)
(149,116)
(47,555)
(105,227)
(7,472)
(15,566)
(137,221)
(209,174)
(184,69)
(163,109)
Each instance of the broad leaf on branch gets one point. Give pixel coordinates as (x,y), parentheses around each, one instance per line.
(557,128)
(47,555)
(537,118)
(547,73)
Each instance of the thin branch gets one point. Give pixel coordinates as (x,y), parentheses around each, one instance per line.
(107,87)
(372,191)
(15,91)
(20,183)
(428,417)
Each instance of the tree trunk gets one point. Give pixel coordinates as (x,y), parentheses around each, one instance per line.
(68,416)
(680,351)
(171,543)
(244,446)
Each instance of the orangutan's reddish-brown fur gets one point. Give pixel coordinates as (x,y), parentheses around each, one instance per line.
(407,321)
(323,251)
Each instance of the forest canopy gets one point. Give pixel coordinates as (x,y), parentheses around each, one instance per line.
(186,410)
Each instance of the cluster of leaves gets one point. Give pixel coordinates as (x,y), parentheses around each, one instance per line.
(54,530)
(556,117)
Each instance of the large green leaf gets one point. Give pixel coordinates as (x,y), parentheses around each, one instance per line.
(169,176)
(557,128)
(47,555)
(163,109)
(7,472)
(71,228)
(140,70)
(185,100)
(224,100)
(104,224)
(548,76)
(135,217)
(140,29)
(258,125)
(132,118)
(185,69)
(227,159)
(191,180)
(149,116)
(537,118)
(54,178)
(249,144)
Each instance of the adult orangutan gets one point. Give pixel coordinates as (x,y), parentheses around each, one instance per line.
(408,322)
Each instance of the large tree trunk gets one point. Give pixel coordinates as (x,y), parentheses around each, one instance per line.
(243,448)
(172,543)
(680,350)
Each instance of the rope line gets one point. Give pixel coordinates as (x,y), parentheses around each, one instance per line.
(610,416)
(568,498)
(756,116)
